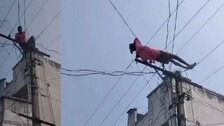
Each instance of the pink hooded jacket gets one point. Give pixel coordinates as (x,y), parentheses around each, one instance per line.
(146,52)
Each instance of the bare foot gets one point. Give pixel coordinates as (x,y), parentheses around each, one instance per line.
(192,66)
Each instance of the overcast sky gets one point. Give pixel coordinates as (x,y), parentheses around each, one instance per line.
(95,37)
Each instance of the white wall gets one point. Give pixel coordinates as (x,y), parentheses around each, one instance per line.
(49,82)
(206,107)
(11,110)
(158,104)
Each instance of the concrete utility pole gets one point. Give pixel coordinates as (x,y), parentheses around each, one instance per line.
(180,100)
(34,89)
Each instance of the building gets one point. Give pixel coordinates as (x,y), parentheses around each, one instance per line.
(16,96)
(201,107)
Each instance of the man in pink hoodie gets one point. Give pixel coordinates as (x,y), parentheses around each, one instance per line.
(147,53)
(20,37)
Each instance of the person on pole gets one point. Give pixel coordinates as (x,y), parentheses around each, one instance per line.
(147,53)
(20,37)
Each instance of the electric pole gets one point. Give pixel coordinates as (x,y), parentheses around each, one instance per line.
(34,87)
(180,100)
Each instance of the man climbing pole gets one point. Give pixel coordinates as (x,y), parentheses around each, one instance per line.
(25,44)
(147,53)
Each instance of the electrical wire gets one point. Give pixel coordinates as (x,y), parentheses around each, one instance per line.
(32,20)
(200,28)
(51,43)
(174,33)
(132,101)
(109,74)
(84,72)
(175,25)
(122,18)
(210,52)
(19,13)
(5,59)
(206,78)
(24,2)
(106,96)
(51,50)
(8,12)
(203,6)
(10,52)
(167,26)
(119,100)
(163,24)
(48,25)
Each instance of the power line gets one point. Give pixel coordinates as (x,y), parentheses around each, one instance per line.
(24,2)
(10,52)
(211,74)
(106,96)
(209,105)
(190,20)
(6,27)
(163,24)
(41,8)
(51,50)
(119,100)
(147,83)
(211,52)
(175,26)
(105,73)
(54,41)
(200,28)
(9,24)
(123,18)
(112,73)
(167,26)
(5,58)
(48,25)
(19,13)
(8,12)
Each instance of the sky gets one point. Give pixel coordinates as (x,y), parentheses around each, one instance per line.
(92,35)
(95,37)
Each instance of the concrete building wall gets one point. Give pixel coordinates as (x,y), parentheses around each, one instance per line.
(20,78)
(158,108)
(49,88)
(48,79)
(12,108)
(203,107)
